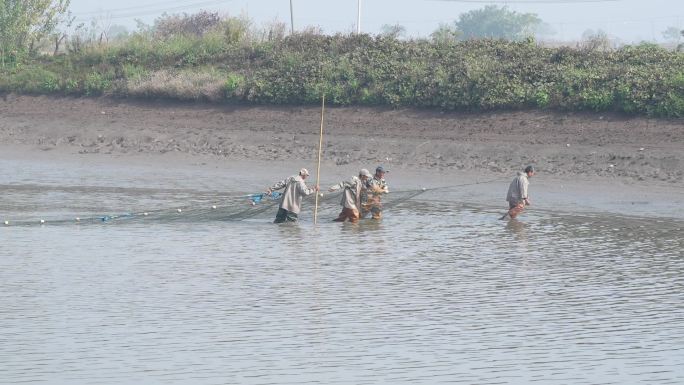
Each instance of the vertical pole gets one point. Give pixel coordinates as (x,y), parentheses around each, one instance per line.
(358,18)
(318,169)
(291,19)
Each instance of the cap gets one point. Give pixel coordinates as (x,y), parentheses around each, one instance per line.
(380,169)
(365,173)
(304,172)
(529,169)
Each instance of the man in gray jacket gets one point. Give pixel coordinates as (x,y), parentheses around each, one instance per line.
(351,196)
(517,196)
(291,202)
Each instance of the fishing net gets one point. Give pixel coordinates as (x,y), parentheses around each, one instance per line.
(232,208)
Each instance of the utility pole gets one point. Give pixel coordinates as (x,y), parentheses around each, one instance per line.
(291,19)
(358,19)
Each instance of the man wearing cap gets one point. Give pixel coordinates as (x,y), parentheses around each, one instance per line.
(291,202)
(377,186)
(517,193)
(351,196)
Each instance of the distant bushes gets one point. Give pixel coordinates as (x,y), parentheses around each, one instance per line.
(31,79)
(185,85)
(224,62)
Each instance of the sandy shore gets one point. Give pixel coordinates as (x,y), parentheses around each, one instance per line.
(585,161)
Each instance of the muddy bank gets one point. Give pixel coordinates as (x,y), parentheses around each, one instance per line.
(559,144)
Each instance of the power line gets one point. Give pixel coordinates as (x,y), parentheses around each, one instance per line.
(555,21)
(531,1)
(126,9)
(165,4)
(584,22)
(112,14)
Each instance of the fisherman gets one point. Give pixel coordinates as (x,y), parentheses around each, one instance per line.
(376,187)
(517,196)
(351,196)
(291,202)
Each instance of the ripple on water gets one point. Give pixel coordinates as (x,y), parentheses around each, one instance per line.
(435,293)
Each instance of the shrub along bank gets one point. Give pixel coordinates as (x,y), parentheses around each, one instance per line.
(477,75)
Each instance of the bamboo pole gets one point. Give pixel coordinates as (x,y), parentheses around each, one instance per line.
(318,168)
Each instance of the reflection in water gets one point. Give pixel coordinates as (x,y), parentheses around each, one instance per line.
(516,227)
(432,293)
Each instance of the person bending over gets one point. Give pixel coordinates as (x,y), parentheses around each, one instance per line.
(351,196)
(291,201)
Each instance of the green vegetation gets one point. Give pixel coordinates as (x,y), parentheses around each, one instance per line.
(497,23)
(225,61)
(23,23)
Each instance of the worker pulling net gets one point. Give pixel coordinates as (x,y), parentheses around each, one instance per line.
(233,208)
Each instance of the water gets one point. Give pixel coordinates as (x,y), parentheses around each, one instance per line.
(437,292)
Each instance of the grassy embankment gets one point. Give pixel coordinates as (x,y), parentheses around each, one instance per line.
(363,70)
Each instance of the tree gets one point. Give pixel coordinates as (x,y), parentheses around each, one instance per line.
(673,34)
(117,31)
(544,31)
(25,22)
(596,40)
(394,31)
(186,24)
(497,23)
(59,35)
(445,34)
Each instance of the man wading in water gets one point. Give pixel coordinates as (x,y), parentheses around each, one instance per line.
(517,193)
(291,202)
(372,199)
(351,197)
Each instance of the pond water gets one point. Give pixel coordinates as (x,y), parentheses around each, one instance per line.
(436,292)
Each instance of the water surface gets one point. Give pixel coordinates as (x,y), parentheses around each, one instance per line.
(437,292)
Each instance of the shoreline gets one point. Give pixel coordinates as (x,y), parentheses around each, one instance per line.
(202,174)
(252,147)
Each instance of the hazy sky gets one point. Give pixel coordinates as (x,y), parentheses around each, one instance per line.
(629,20)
